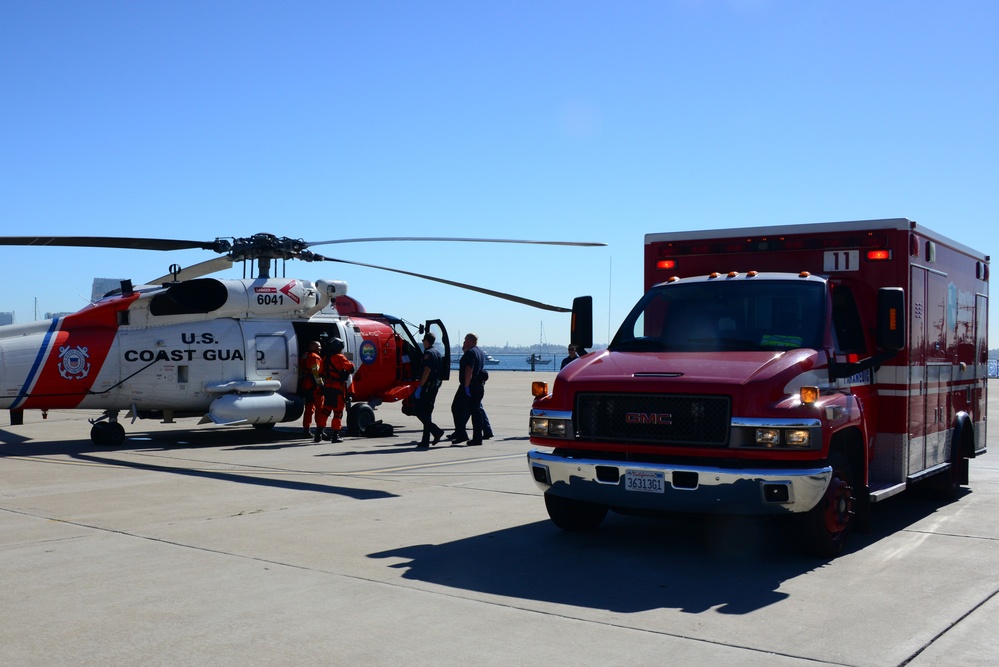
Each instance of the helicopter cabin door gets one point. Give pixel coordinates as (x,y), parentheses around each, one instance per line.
(443,345)
(269,354)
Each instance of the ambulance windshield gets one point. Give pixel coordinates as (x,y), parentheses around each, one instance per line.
(727,315)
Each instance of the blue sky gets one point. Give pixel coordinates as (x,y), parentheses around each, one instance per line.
(590,121)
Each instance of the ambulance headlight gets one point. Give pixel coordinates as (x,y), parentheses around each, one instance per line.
(797,438)
(539,426)
(548,424)
(776,433)
(768,437)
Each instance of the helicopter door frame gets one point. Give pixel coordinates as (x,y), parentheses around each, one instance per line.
(437,326)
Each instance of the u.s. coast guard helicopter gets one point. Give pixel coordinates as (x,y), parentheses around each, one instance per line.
(227,350)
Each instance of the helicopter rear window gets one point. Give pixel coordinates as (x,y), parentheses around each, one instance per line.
(193,296)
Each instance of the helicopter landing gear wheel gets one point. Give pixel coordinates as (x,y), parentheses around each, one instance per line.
(107,434)
(359,417)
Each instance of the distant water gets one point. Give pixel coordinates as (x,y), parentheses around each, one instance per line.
(519,362)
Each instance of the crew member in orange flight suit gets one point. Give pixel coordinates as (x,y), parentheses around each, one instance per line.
(336,378)
(312,390)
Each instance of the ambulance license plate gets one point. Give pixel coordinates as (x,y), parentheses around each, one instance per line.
(644,481)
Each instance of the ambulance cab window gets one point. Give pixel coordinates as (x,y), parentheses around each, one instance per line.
(846,321)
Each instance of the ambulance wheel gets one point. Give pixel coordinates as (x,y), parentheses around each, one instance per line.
(359,417)
(575,516)
(827,526)
(946,485)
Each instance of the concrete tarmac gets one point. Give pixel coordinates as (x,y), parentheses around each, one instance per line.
(204,545)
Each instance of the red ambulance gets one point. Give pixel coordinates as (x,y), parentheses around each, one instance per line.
(806,371)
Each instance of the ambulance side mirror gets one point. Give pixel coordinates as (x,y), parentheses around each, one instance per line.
(581,328)
(891,318)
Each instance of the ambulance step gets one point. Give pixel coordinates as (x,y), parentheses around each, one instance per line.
(883,492)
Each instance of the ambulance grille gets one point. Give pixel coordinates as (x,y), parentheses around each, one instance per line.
(666,419)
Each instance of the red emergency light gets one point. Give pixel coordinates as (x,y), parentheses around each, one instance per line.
(878,255)
(663,264)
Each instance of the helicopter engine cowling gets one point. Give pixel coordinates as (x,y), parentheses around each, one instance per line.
(254,409)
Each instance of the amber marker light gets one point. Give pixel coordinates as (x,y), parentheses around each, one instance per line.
(808,395)
(539,389)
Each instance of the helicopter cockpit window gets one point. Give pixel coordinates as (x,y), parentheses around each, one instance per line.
(272,352)
(193,296)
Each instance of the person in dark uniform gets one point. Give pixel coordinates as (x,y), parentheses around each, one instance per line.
(468,396)
(426,392)
(572,357)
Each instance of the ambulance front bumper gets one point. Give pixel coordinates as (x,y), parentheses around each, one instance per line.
(680,488)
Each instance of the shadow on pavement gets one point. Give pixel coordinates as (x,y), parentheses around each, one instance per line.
(734,565)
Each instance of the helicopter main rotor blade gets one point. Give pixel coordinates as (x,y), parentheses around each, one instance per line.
(195,271)
(109,242)
(481,290)
(448,238)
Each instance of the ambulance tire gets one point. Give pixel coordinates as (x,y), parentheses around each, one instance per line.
(825,529)
(946,485)
(575,516)
(360,416)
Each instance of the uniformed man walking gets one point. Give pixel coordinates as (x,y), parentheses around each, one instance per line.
(426,392)
(467,401)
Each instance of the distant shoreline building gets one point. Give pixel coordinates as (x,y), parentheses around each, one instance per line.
(6,318)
